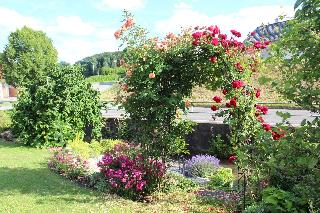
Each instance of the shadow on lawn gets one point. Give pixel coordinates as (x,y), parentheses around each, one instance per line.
(41,181)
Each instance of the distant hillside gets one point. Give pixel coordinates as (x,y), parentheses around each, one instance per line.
(100,64)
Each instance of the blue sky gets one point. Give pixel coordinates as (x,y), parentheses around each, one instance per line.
(79,28)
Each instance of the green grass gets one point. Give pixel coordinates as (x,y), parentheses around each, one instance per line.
(27,185)
(103,78)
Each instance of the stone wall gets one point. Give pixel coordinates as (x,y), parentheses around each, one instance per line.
(198,141)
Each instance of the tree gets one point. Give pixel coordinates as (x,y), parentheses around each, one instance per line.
(53,113)
(28,57)
(297,56)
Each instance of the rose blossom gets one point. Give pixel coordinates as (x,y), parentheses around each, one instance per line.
(237,84)
(217,99)
(214,108)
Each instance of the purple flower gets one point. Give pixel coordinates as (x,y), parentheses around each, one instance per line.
(202,165)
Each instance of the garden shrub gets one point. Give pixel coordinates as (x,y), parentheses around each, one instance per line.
(132,177)
(53,113)
(177,182)
(223,178)
(5,120)
(202,165)
(92,149)
(67,163)
(220,148)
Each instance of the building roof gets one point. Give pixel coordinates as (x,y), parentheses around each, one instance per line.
(270,32)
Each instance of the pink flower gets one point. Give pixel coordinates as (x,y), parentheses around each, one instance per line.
(253,33)
(118,34)
(140,185)
(152,75)
(215,41)
(237,84)
(236,33)
(217,99)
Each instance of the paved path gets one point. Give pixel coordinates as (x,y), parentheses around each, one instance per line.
(204,115)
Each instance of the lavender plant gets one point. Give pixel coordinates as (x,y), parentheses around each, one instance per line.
(202,165)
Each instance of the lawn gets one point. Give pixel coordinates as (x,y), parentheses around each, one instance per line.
(27,185)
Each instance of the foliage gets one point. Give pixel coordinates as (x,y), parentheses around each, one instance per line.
(28,57)
(220,148)
(295,166)
(277,200)
(100,64)
(67,163)
(132,177)
(177,182)
(5,120)
(223,178)
(93,149)
(51,114)
(296,55)
(202,165)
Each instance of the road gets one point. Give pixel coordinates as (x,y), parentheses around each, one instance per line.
(204,115)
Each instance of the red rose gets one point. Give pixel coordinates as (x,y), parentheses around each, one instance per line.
(258,93)
(266,127)
(232,158)
(224,91)
(237,84)
(197,35)
(214,108)
(263,109)
(279,134)
(236,33)
(213,59)
(233,102)
(257,44)
(215,41)
(223,36)
(195,42)
(216,30)
(217,99)
(267,42)
(228,105)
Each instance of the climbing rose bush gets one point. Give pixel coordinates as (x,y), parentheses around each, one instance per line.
(162,72)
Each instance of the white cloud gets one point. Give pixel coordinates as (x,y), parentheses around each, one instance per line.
(72,25)
(245,20)
(73,37)
(122,4)
(11,20)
